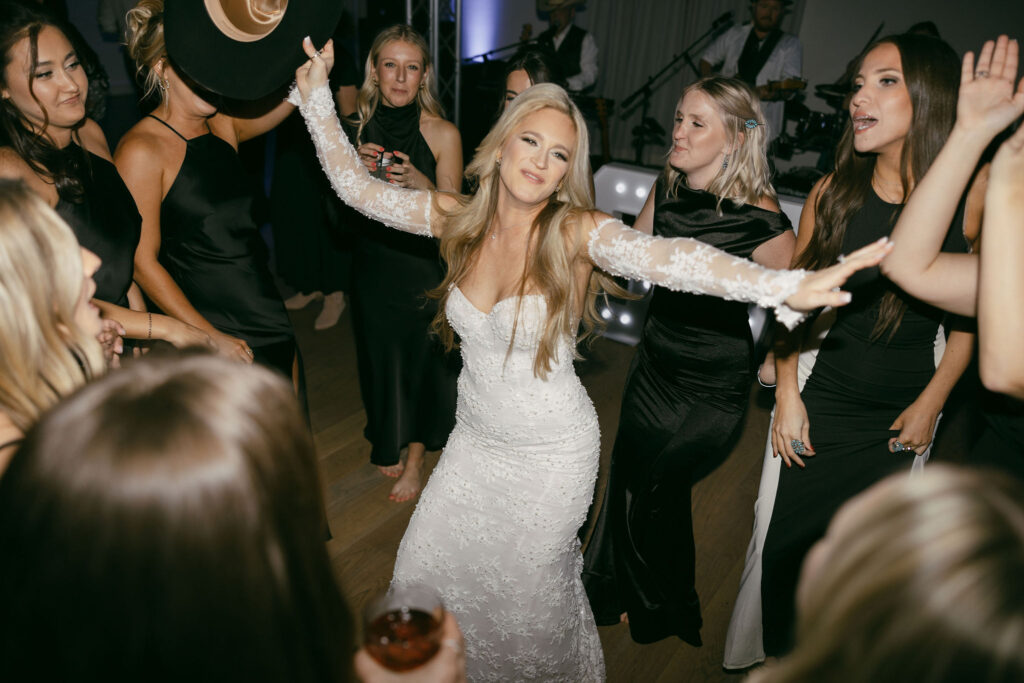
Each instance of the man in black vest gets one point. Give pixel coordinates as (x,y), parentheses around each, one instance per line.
(759,53)
(574,49)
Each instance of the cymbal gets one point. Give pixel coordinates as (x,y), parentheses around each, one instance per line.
(832,94)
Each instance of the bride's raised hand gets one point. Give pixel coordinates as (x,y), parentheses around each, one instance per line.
(821,288)
(987,102)
(313,72)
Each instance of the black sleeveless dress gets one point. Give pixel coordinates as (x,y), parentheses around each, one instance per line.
(105,221)
(406,379)
(856,389)
(684,401)
(212,249)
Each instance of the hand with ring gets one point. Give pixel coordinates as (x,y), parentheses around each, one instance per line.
(915,425)
(791,430)
(987,102)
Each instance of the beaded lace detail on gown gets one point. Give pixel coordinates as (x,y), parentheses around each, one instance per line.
(495,528)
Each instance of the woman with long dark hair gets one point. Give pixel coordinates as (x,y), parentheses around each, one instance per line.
(47,141)
(407,384)
(872,400)
(689,384)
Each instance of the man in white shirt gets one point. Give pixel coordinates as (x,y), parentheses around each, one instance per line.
(574,49)
(759,53)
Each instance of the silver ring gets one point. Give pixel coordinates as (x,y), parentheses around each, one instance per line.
(453,644)
(316,55)
(981,74)
(798,446)
(842,258)
(898,447)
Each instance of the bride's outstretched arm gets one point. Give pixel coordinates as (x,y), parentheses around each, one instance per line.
(404,209)
(688,265)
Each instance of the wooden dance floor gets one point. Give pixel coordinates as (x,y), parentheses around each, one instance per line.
(367,527)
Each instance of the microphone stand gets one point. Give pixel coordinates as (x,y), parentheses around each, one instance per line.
(646,91)
(485,56)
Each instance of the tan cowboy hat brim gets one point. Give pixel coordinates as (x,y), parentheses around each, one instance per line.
(237,49)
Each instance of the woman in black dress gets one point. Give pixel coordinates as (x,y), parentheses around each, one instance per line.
(201,258)
(47,142)
(407,383)
(689,384)
(874,394)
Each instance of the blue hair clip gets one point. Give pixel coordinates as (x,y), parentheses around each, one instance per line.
(751,123)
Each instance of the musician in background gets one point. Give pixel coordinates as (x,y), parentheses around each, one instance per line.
(759,53)
(574,49)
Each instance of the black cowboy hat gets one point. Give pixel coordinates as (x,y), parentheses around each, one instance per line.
(244,49)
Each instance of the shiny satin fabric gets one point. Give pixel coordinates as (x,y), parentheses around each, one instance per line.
(684,402)
(105,221)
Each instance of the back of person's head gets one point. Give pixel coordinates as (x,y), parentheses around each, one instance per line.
(43,352)
(539,65)
(918,579)
(146,47)
(164,524)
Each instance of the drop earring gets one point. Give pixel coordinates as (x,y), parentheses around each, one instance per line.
(725,162)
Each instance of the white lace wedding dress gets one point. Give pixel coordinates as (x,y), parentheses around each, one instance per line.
(495,529)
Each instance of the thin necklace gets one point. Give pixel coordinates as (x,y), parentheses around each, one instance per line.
(880,186)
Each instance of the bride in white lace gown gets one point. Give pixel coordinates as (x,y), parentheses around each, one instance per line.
(495,528)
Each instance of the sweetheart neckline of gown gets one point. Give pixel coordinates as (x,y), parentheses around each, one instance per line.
(497,303)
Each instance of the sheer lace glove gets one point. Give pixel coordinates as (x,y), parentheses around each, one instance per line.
(406,210)
(686,265)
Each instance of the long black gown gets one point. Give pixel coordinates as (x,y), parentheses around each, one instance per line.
(683,405)
(406,379)
(856,389)
(105,221)
(211,247)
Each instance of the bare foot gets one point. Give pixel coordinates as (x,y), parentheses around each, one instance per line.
(393,471)
(408,485)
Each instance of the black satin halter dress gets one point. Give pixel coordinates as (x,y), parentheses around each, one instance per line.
(406,380)
(684,402)
(858,386)
(212,249)
(105,221)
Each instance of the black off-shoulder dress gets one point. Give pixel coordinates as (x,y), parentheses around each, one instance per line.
(684,402)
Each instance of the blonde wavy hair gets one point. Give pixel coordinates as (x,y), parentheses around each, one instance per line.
(145,30)
(922,582)
(368,98)
(556,243)
(747,177)
(43,353)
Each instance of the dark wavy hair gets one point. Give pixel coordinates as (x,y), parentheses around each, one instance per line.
(20,20)
(165,523)
(931,70)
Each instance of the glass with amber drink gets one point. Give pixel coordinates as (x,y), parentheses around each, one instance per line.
(402,628)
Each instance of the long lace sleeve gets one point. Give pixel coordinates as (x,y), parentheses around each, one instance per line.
(396,207)
(687,265)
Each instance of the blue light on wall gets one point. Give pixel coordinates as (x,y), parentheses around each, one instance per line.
(481,21)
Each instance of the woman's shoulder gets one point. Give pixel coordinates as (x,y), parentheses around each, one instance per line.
(14,167)
(436,129)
